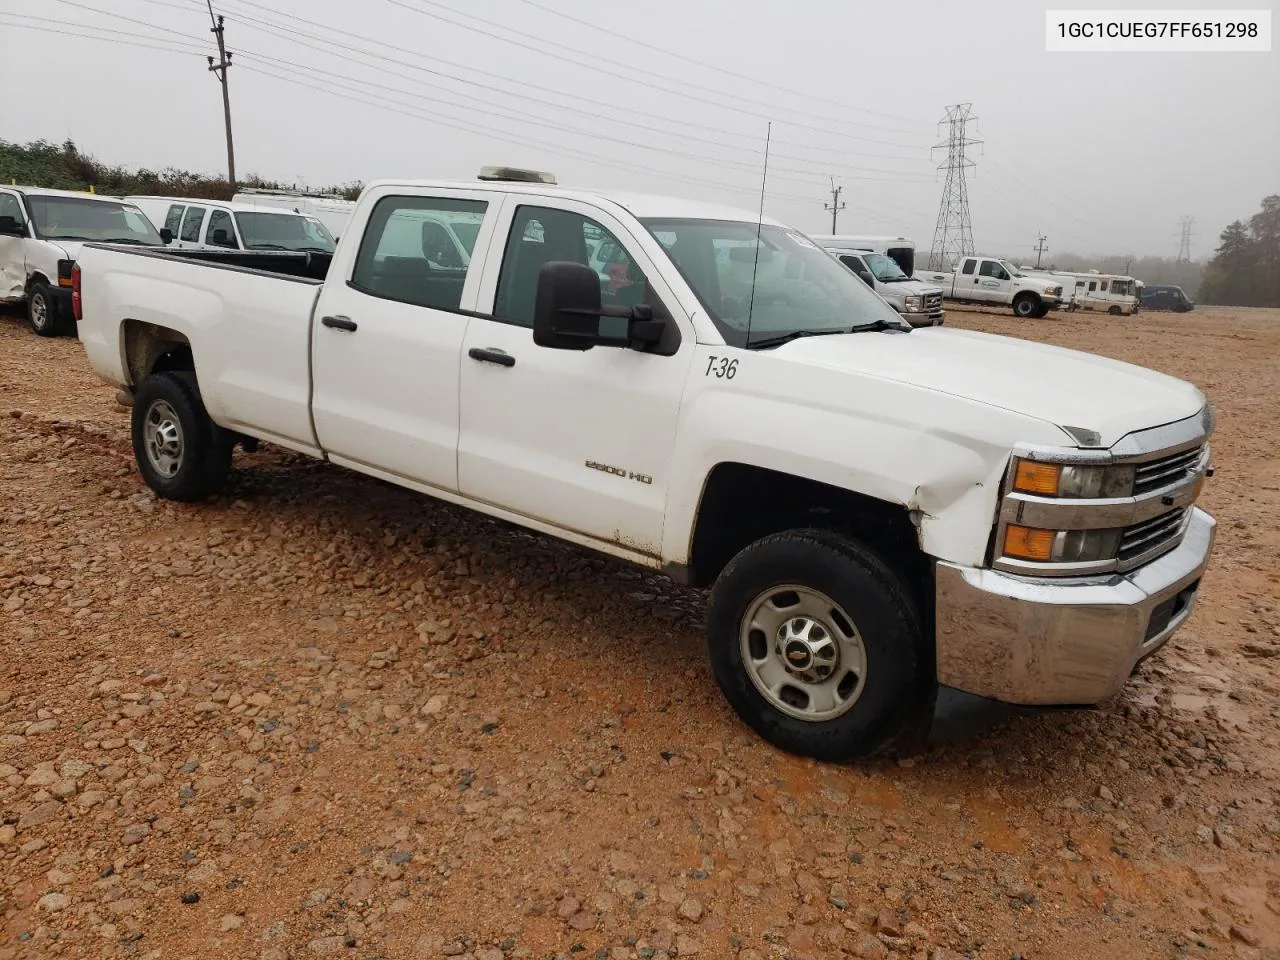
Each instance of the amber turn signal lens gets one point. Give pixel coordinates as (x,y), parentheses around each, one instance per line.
(1041,478)
(1028,543)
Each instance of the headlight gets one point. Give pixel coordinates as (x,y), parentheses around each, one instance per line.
(913,304)
(1053,290)
(1074,481)
(1060,546)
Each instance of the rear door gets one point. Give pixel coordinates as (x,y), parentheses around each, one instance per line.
(189,235)
(13,261)
(965,282)
(389,330)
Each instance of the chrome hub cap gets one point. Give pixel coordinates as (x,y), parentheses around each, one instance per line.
(39,312)
(162,438)
(803,653)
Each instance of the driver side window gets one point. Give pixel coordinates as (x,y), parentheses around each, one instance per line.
(9,207)
(541,234)
(992,269)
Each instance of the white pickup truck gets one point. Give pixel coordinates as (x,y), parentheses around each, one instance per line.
(988,280)
(878,510)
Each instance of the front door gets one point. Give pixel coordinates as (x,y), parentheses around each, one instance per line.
(388,334)
(13,260)
(994,282)
(189,236)
(581,440)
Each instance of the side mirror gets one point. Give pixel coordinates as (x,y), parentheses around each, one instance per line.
(10,227)
(221,239)
(568,314)
(166,235)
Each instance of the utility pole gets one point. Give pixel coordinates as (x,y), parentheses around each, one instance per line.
(953,235)
(1184,245)
(220,69)
(835,206)
(1040,248)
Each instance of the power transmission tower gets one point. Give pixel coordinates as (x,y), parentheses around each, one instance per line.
(1184,245)
(835,206)
(220,69)
(1040,248)
(953,236)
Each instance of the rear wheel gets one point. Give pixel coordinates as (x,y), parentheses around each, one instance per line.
(817,645)
(42,311)
(181,453)
(1026,305)
(1115,311)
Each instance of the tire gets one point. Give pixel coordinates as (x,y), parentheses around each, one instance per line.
(42,311)
(1042,312)
(1025,305)
(875,689)
(182,454)
(1115,311)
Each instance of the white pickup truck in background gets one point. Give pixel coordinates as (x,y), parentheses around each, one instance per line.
(988,280)
(878,510)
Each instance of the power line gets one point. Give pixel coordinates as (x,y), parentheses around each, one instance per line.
(835,206)
(576,60)
(953,234)
(807,95)
(292,32)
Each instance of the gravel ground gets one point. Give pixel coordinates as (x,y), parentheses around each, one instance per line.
(321,716)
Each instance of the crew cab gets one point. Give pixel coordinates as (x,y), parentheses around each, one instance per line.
(920,304)
(878,510)
(196,224)
(988,280)
(41,232)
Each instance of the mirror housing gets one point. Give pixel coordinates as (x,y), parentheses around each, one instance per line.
(568,314)
(166,235)
(10,227)
(221,238)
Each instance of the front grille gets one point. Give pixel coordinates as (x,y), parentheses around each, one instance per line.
(1149,536)
(1167,470)
(932,302)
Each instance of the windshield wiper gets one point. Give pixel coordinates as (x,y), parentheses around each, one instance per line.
(793,335)
(266,246)
(141,243)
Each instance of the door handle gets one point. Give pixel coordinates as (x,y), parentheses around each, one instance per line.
(491,355)
(339,323)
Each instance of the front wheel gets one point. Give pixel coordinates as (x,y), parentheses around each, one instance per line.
(1026,305)
(181,453)
(42,312)
(817,645)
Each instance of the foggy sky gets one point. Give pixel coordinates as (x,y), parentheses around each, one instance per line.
(1101,152)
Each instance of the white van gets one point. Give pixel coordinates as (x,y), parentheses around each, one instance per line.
(900,250)
(333,211)
(193,224)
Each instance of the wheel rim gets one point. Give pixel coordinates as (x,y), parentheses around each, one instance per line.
(1024,308)
(162,438)
(39,311)
(803,653)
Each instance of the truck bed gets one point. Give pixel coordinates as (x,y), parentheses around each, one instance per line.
(246,315)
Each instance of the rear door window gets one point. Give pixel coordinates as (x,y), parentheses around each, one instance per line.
(191,224)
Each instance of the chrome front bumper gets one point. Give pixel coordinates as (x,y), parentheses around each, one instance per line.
(1067,642)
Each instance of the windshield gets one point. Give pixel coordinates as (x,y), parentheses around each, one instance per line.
(283,231)
(798,286)
(885,270)
(71,218)
(1013,271)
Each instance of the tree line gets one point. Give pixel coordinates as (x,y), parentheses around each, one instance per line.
(1245,270)
(44,164)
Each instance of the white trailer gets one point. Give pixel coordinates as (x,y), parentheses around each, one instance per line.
(1116,294)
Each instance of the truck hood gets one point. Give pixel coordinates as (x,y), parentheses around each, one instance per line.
(911,288)
(1067,388)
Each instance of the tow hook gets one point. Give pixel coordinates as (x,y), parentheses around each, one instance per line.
(124,397)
